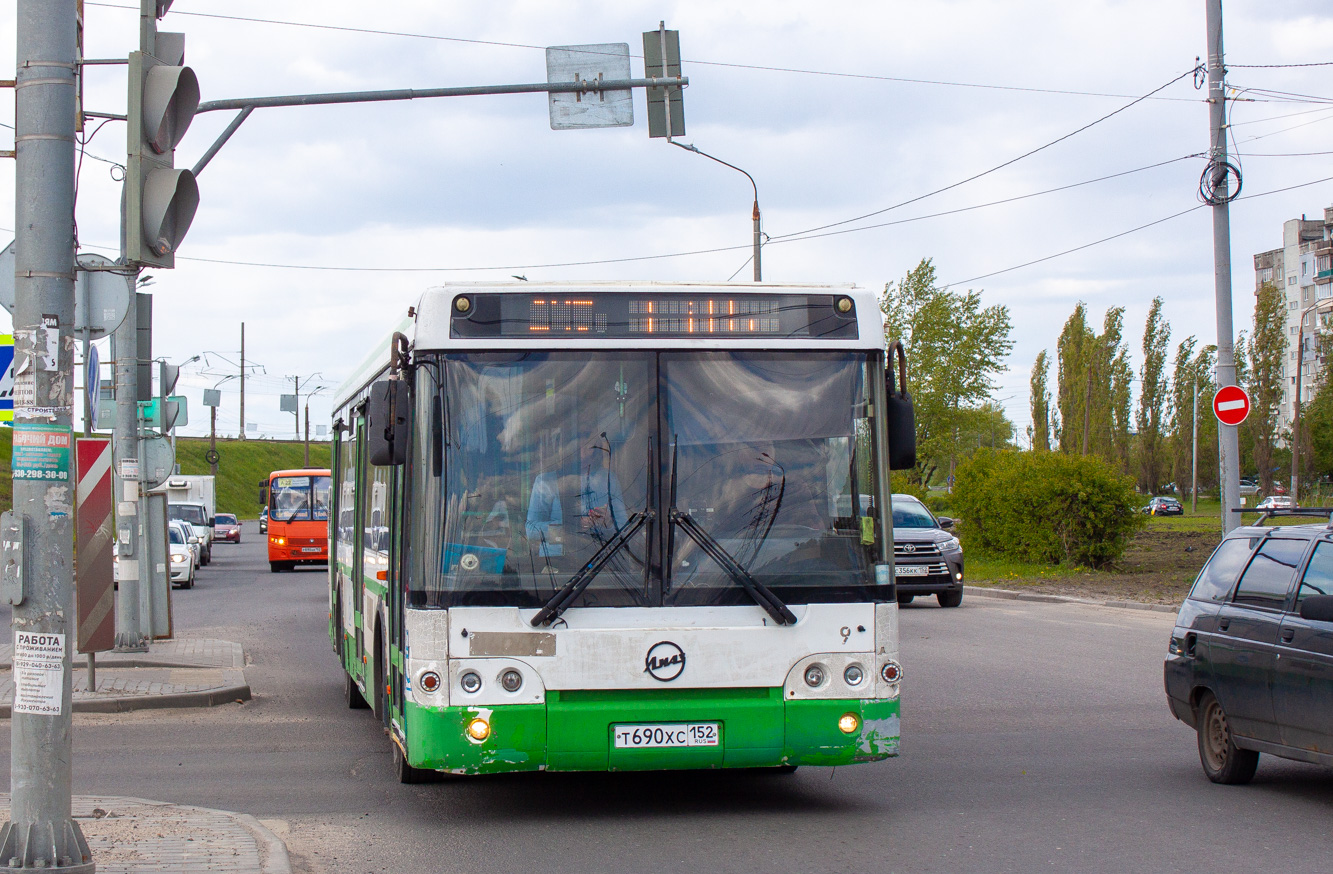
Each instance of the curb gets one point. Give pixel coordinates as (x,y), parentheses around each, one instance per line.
(273,857)
(1013,595)
(126,703)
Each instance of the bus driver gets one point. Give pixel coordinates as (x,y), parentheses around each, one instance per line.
(601,500)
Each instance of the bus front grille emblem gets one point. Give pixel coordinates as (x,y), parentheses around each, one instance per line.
(665,661)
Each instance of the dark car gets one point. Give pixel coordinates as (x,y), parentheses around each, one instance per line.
(263,521)
(1250,663)
(927,559)
(1164,507)
(226,528)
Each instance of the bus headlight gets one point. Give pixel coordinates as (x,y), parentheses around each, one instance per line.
(848,723)
(429,682)
(511,680)
(853,675)
(814,676)
(470,681)
(478,729)
(891,672)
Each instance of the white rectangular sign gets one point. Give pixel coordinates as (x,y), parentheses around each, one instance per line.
(39,673)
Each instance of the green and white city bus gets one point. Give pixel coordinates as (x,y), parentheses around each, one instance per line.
(622,526)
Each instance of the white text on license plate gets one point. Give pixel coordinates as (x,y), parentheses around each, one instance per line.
(679,734)
(311,549)
(912,570)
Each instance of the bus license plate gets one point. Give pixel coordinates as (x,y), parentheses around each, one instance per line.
(680,734)
(912,570)
(311,549)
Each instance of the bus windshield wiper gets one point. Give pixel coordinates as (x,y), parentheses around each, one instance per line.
(571,590)
(762,595)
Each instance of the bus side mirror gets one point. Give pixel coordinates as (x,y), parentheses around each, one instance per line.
(386,422)
(900,413)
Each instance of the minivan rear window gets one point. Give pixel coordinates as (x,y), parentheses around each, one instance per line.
(1219,575)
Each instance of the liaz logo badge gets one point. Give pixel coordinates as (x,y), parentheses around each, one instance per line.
(665,661)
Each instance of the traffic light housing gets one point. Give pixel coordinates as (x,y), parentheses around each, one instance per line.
(164,413)
(160,199)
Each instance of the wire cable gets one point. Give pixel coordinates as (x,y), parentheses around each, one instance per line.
(997,167)
(746,248)
(1130,231)
(758,67)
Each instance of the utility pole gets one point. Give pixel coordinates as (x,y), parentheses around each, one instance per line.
(242,434)
(296,406)
(41,833)
(1194,457)
(1228,443)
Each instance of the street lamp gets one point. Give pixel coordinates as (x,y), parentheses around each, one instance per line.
(754,216)
(212,400)
(1296,418)
(308,396)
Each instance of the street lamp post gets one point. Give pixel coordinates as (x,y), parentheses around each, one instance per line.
(1296,416)
(308,396)
(754,215)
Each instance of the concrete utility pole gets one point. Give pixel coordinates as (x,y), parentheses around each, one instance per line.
(1228,444)
(241,436)
(41,833)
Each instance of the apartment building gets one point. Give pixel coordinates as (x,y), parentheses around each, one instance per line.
(1303,269)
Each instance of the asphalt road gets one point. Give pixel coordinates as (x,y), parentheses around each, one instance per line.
(1035,737)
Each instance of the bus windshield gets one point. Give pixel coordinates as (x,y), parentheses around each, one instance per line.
(299,499)
(550,457)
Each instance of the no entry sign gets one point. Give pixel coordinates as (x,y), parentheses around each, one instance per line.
(1231,404)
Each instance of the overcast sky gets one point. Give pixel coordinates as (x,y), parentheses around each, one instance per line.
(813,100)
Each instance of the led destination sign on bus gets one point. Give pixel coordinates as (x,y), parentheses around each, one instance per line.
(621,316)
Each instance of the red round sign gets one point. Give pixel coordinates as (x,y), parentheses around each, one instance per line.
(1231,404)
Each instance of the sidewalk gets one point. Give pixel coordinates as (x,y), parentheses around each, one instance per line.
(130,835)
(184,672)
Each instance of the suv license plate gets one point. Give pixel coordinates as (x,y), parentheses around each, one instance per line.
(680,734)
(912,570)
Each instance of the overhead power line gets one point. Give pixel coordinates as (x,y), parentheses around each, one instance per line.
(629,259)
(1131,231)
(997,167)
(1278,66)
(734,65)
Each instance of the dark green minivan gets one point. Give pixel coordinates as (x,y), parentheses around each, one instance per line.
(1250,663)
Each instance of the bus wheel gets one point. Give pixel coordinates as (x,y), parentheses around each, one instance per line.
(352,695)
(405,772)
(275,567)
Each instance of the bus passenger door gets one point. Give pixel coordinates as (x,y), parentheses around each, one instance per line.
(358,544)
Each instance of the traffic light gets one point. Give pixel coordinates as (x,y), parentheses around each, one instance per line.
(160,200)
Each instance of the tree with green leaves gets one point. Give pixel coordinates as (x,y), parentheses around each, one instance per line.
(1072,351)
(1153,400)
(1267,352)
(956,347)
(1094,387)
(1193,369)
(1041,403)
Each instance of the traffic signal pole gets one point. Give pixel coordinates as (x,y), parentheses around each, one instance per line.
(41,833)
(1228,442)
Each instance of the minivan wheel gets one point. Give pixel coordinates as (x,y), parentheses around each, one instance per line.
(905,599)
(1222,760)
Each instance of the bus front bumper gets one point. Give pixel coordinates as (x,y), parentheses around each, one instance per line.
(573,731)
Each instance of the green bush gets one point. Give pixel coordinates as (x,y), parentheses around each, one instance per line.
(899,484)
(940,502)
(1046,506)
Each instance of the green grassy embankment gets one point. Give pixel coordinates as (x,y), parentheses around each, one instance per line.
(242,465)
